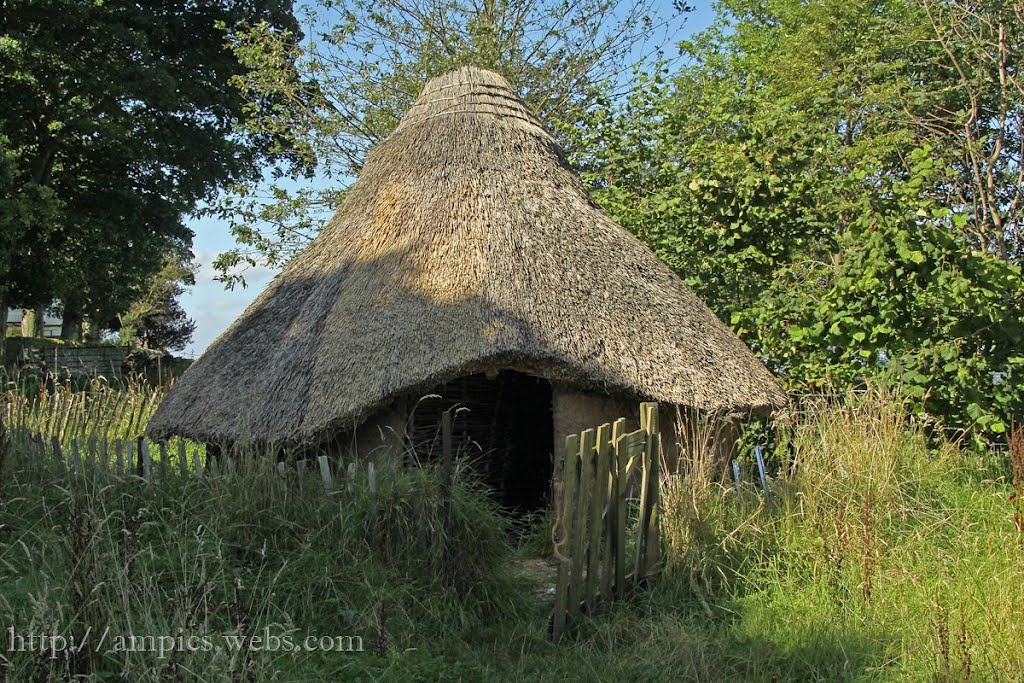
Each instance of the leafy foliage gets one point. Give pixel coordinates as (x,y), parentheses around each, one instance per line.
(906,299)
(795,175)
(157,320)
(119,119)
(27,210)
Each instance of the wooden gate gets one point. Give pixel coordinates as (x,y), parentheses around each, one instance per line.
(603,476)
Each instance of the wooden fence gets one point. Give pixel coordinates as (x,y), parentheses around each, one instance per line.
(598,475)
(132,458)
(604,480)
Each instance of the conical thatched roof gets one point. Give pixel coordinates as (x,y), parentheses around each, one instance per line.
(466,244)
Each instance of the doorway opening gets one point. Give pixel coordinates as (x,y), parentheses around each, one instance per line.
(503,427)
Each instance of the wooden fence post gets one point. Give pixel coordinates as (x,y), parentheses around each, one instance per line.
(597,516)
(325,473)
(182,458)
(145,464)
(652,544)
(582,511)
(648,489)
(615,532)
(351,473)
(761,471)
(564,508)
(622,484)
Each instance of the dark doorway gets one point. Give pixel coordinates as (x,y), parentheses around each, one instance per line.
(504,428)
(525,411)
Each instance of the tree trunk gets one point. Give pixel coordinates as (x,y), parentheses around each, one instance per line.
(39,329)
(90,331)
(32,322)
(28,319)
(71,322)
(42,164)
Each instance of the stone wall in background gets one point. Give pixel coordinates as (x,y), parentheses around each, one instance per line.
(83,361)
(76,361)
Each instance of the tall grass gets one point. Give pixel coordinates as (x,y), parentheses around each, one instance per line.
(240,555)
(91,411)
(876,557)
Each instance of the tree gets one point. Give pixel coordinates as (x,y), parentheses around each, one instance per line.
(975,113)
(905,300)
(157,320)
(348,85)
(118,114)
(25,210)
(795,173)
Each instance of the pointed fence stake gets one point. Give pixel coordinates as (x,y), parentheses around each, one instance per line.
(144,460)
(653,541)
(597,517)
(760,470)
(585,486)
(325,473)
(616,531)
(563,549)
(76,456)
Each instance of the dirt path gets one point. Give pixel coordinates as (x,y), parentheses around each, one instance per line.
(545,572)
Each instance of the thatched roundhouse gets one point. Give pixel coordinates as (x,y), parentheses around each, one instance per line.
(467,262)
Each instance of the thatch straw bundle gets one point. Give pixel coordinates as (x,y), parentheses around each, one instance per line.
(467,244)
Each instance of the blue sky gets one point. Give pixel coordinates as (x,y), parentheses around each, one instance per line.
(211,306)
(214,308)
